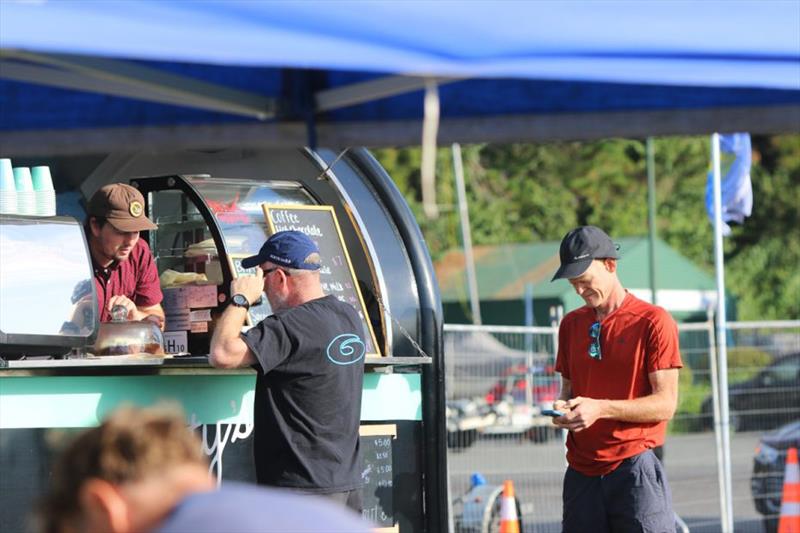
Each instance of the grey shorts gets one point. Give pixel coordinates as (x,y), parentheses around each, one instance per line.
(633,498)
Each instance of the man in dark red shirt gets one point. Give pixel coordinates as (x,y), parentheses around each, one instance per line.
(124,270)
(618,358)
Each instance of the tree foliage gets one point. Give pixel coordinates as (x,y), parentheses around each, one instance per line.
(538,192)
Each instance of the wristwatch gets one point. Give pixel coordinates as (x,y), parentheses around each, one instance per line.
(240,300)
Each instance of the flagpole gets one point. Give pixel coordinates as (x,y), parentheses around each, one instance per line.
(722,349)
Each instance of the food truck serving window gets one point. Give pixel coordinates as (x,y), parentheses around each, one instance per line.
(207,225)
(236,205)
(183,243)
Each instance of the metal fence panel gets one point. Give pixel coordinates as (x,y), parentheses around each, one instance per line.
(505,374)
(691,450)
(764,395)
(498,377)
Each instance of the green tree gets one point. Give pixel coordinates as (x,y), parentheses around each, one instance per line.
(537,192)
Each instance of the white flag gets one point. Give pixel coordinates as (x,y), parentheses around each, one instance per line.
(735,186)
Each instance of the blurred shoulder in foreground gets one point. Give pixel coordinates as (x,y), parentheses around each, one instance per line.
(252,509)
(143,470)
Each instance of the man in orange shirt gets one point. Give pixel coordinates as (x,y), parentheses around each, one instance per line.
(618,358)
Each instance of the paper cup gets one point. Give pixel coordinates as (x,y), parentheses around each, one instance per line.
(6,176)
(22,178)
(26,203)
(46,203)
(8,201)
(42,181)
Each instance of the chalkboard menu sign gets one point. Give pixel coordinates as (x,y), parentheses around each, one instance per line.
(378,475)
(336,274)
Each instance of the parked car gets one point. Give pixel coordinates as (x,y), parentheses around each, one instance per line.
(466,418)
(766,400)
(519,412)
(545,385)
(769,465)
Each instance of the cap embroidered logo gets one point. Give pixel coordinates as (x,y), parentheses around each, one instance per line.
(135,209)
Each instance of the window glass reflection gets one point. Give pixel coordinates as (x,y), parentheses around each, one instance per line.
(183,244)
(45,279)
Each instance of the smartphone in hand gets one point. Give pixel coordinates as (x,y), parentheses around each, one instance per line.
(552,412)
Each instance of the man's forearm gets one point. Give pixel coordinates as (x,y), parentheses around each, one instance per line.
(652,408)
(227,347)
(142,313)
(659,405)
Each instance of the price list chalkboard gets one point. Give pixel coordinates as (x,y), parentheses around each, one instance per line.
(336,273)
(378,475)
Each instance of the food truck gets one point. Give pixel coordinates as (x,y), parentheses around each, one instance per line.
(212,209)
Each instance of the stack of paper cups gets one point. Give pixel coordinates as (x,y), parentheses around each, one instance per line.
(26,201)
(45,193)
(8,189)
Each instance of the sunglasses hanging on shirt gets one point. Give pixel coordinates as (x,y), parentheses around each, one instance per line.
(594,347)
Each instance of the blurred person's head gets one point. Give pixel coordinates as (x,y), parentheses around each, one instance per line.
(125,475)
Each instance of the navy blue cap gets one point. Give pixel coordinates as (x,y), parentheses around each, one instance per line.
(580,247)
(287,249)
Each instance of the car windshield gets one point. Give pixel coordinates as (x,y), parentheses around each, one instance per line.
(786,371)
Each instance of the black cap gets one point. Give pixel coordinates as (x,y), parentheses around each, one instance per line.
(580,247)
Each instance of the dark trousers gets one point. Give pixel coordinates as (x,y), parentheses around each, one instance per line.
(353,499)
(633,498)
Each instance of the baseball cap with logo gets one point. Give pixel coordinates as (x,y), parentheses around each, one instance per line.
(122,205)
(580,247)
(285,248)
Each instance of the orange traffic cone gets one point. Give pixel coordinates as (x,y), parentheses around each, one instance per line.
(509,522)
(790,504)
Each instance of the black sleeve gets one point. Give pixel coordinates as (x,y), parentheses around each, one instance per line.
(269,342)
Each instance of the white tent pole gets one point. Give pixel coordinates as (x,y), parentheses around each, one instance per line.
(722,348)
(466,234)
(430,130)
(651,216)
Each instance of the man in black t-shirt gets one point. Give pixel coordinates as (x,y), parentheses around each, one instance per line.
(310,354)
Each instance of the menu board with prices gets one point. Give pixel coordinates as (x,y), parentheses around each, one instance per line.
(336,273)
(377,475)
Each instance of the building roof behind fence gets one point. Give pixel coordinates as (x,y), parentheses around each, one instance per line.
(504,270)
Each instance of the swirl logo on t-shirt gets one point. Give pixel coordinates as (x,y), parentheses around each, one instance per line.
(346,349)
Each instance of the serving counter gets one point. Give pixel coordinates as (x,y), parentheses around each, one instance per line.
(76,393)
(44,401)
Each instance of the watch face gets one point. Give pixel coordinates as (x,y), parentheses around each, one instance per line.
(240,300)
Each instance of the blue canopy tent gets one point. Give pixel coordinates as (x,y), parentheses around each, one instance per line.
(85,76)
(97,77)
